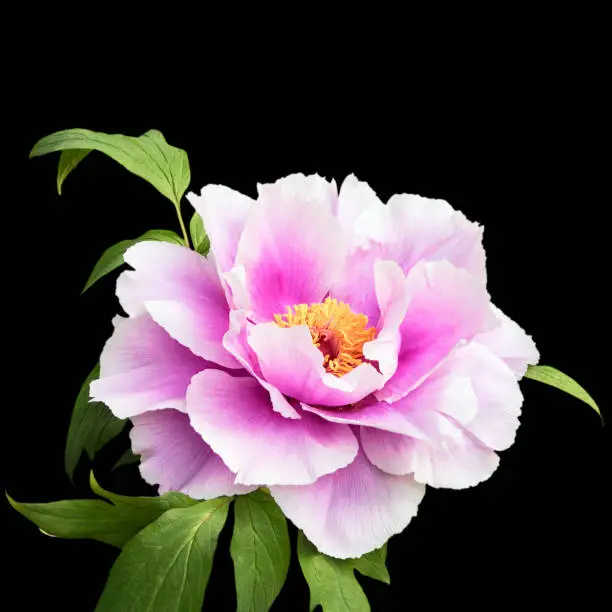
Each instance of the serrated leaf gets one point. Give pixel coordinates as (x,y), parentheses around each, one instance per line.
(127,458)
(199,237)
(332,581)
(260,550)
(167,565)
(555,378)
(112,258)
(148,156)
(92,425)
(373,565)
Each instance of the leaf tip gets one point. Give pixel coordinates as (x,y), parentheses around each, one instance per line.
(11,501)
(93,482)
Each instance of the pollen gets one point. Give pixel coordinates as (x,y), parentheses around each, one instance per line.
(336,331)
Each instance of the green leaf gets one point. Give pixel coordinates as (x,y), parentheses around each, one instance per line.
(112,523)
(155,505)
(199,238)
(332,581)
(167,565)
(555,378)
(92,425)
(84,518)
(149,156)
(69,160)
(126,459)
(260,550)
(373,565)
(112,258)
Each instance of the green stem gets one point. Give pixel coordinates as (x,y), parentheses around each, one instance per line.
(182,224)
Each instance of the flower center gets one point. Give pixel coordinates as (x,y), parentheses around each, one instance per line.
(336,331)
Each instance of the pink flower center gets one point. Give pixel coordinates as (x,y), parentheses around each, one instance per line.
(336,331)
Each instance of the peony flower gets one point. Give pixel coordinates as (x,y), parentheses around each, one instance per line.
(341,352)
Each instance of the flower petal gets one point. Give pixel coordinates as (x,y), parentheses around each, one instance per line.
(508,341)
(357,285)
(457,450)
(393,299)
(448,306)
(235,341)
(142,368)
(417,229)
(499,397)
(352,511)
(455,462)
(420,414)
(294,365)
(224,212)
(292,247)
(354,199)
(182,292)
(176,458)
(235,416)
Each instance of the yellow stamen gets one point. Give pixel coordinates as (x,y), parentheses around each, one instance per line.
(336,330)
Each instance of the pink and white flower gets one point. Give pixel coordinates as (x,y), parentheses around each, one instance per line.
(342,352)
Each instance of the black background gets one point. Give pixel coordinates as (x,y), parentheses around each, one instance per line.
(522,155)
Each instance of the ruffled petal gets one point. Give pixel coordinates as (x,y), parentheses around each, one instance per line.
(176,458)
(499,396)
(455,462)
(355,199)
(235,416)
(142,368)
(235,341)
(423,229)
(420,414)
(392,298)
(357,285)
(510,342)
(447,306)
(294,365)
(352,511)
(292,247)
(181,290)
(224,212)
(458,437)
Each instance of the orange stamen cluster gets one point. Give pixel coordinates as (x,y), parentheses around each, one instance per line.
(336,330)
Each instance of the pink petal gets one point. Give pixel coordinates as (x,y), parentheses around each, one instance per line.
(294,365)
(393,299)
(456,450)
(499,397)
(235,341)
(235,416)
(181,291)
(354,200)
(508,341)
(448,306)
(420,228)
(292,247)
(224,213)
(352,511)
(176,458)
(455,462)
(420,414)
(142,368)
(357,286)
